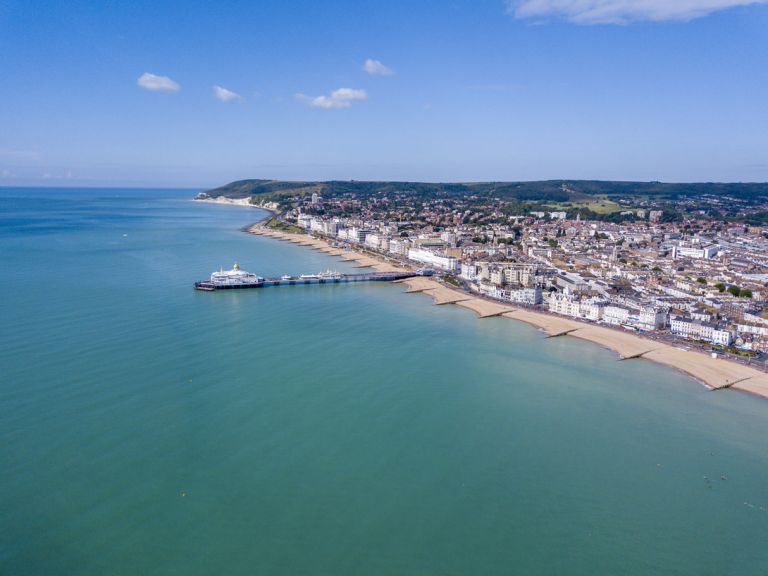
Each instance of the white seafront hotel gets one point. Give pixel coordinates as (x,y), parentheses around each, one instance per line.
(449,263)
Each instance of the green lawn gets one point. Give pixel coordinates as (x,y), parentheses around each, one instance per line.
(600,205)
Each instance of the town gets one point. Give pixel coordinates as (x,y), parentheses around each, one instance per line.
(689,279)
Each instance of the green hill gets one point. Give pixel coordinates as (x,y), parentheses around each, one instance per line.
(538,191)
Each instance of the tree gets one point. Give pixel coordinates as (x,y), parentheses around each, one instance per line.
(701,280)
(735,290)
(720,287)
(670,215)
(746,293)
(553,243)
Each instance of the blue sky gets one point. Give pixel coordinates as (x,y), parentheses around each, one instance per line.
(123,93)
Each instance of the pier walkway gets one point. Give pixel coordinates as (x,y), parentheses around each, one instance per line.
(210,286)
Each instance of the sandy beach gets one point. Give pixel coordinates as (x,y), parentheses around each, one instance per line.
(713,372)
(443,295)
(551,325)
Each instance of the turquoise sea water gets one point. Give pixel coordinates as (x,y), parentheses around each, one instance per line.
(146,428)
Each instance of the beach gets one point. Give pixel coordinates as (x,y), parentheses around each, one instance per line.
(715,373)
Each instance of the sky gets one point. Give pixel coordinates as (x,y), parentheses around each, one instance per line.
(197,94)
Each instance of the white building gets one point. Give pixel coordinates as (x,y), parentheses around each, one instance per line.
(722,337)
(569,305)
(330,227)
(591,309)
(753,329)
(701,252)
(430,258)
(399,246)
(693,330)
(493,291)
(496,276)
(316,225)
(356,234)
(373,240)
(652,318)
(529,296)
(564,304)
(470,272)
(523,274)
(616,315)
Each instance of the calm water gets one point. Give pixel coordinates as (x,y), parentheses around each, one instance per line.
(146,428)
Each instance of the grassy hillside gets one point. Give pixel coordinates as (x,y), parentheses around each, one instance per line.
(550,191)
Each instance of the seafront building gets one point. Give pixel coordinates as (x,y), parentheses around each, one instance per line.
(433,258)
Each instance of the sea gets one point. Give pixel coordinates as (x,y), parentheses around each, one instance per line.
(150,429)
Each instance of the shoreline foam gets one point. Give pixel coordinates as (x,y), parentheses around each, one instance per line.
(714,373)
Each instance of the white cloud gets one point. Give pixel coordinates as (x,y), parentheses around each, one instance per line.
(341,98)
(621,11)
(376,68)
(225,95)
(157,83)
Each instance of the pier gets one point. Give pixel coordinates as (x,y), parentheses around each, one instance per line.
(258,282)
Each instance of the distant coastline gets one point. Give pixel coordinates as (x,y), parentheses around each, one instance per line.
(245,202)
(224,200)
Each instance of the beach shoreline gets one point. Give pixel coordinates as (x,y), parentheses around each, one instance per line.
(714,373)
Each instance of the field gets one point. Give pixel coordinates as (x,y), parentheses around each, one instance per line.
(599,204)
